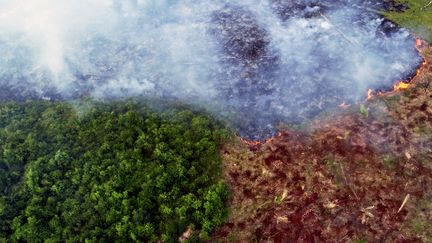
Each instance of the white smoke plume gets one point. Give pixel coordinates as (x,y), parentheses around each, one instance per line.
(265,60)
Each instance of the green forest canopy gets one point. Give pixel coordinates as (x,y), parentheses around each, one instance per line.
(117,171)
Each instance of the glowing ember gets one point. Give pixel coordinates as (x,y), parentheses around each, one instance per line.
(369,94)
(419,46)
(258,143)
(419,43)
(344,105)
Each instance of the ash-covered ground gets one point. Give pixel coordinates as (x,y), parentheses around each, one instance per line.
(259,63)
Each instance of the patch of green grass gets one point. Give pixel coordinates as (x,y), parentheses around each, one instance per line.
(418,226)
(416,18)
(419,222)
(278,199)
(389,162)
(364,111)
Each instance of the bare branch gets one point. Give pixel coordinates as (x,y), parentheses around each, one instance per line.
(427,5)
(351,41)
(403,203)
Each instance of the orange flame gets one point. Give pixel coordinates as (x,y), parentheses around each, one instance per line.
(400,86)
(258,143)
(419,45)
(251,143)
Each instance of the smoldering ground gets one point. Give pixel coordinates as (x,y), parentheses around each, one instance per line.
(260,62)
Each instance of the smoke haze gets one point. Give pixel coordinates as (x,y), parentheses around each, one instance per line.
(265,61)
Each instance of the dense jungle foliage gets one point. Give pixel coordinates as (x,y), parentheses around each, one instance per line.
(99,172)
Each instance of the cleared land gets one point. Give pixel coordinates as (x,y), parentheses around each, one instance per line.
(363,174)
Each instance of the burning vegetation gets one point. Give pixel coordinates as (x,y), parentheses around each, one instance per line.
(361,174)
(402,85)
(256,63)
